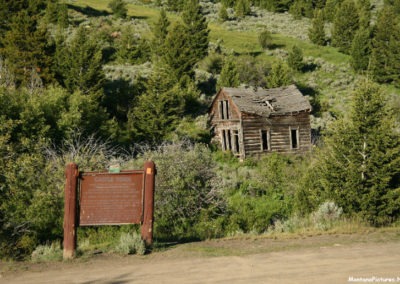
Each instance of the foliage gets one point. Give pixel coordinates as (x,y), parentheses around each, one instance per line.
(265,39)
(326,215)
(118,8)
(158,110)
(358,167)
(279,76)
(26,48)
(223,14)
(79,63)
(295,59)
(196,28)
(361,50)
(130,243)
(316,33)
(385,48)
(242,8)
(345,26)
(44,253)
(187,189)
(229,74)
(131,49)
(160,32)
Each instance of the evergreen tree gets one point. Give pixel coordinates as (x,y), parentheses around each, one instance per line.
(26,49)
(158,110)
(79,63)
(223,14)
(361,50)
(229,74)
(359,166)
(175,5)
(160,32)
(130,48)
(316,33)
(330,9)
(279,76)
(295,58)
(242,8)
(265,39)
(63,20)
(178,54)
(385,57)
(196,28)
(119,9)
(345,26)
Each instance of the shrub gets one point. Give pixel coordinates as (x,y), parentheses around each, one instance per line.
(186,188)
(118,7)
(130,243)
(326,215)
(265,39)
(44,253)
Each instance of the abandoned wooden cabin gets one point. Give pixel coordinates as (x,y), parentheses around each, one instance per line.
(252,122)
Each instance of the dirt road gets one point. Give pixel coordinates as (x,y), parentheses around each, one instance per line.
(339,262)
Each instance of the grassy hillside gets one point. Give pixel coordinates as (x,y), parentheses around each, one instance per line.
(329,77)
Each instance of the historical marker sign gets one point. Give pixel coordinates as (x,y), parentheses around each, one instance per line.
(111,199)
(108,199)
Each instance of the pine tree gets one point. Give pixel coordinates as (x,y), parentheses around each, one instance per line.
(242,8)
(361,50)
(79,63)
(279,76)
(229,76)
(175,5)
(26,49)
(295,58)
(265,39)
(178,54)
(160,32)
(345,26)
(196,28)
(359,166)
(223,14)
(316,33)
(119,9)
(158,110)
(385,57)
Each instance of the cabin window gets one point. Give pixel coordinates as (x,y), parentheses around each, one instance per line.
(265,140)
(224,109)
(294,138)
(223,140)
(236,148)
(230,140)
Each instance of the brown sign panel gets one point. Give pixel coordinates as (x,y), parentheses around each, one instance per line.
(111,199)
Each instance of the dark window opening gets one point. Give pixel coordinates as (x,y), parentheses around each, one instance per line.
(226,110)
(265,140)
(294,138)
(236,141)
(229,138)
(223,140)
(221,110)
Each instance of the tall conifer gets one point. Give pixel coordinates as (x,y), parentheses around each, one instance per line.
(316,33)
(359,166)
(345,26)
(385,58)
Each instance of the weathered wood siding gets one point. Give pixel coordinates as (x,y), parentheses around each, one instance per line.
(279,128)
(227,120)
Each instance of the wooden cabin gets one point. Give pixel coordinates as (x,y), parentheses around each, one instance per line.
(251,122)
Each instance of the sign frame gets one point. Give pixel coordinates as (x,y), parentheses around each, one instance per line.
(94,202)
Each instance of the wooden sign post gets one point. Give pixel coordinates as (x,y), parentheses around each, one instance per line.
(107,198)
(71,176)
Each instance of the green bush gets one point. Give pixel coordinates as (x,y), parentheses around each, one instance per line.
(186,188)
(130,243)
(44,253)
